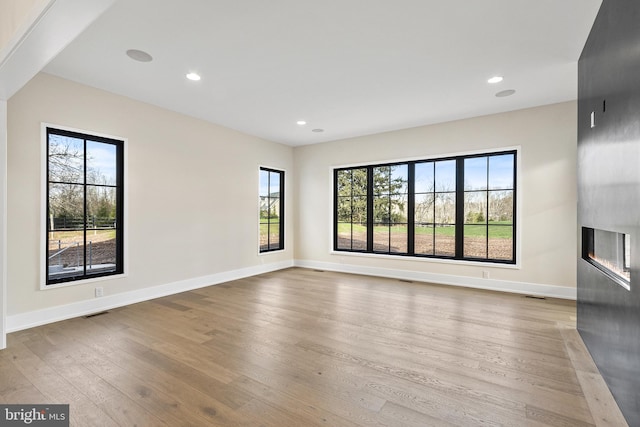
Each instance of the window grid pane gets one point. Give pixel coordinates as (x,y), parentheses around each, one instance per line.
(84,205)
(484,201)
(271,186)
(351,206)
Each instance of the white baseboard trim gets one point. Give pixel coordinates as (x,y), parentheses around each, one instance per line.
(551,291)
(35,318)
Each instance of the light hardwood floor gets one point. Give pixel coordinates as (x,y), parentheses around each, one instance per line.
(301,347)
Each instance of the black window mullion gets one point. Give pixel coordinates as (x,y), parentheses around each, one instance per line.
(120,208)
(486,214)
(351,206)
(389,221)
(335,209)
(84,208)
(370,196)
(270,205)
(281,212)
(47,220)
(411,209)
(514,209)
(459,208)
(434,208)
(269,210)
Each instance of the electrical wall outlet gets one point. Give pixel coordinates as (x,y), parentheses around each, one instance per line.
(485,274)
(99,291)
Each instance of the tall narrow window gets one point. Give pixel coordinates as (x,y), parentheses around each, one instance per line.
(390,196)
(435,208)
(459,207)
(271,210)
(84,206)
(351,205)
(489,207)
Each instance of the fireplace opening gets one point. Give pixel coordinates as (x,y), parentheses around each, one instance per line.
(610,252)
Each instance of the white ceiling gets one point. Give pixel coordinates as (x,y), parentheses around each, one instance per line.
(350,67)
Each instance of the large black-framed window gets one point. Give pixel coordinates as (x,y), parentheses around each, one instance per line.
(459,207)
(271,210)
(85,206)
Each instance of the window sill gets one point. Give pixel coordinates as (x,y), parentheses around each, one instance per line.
(44,287)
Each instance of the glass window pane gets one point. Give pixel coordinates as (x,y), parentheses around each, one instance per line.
(475,207)
(424,204)
(445,237)
(344,235)
(264,236)
(344,182)
(359,182)
(274,207)
(274,184)
(501,171)
(344,209)
(101,207)
(264,183)
(101,163)
(66,159)
(381,238)
(398,208)
(501,242)
(475,173)
(381,177)
(398,235)
(359,210)
(399,179)
(101,251)
(424,177)
(475,241)
(445,175)
(264,208)
(359,237)
(423,239)
(381,209)
(65,254)
(501,207)
(445,208)
(66,207)
(274,235)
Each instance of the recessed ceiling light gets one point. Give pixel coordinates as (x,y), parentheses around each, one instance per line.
(504,93)
(317,130)
(193,76)
(495,79)
(301,122)
(139,55)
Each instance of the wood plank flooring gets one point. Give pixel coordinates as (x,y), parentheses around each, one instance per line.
(301,347)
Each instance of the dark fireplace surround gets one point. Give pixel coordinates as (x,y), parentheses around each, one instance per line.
(609,200)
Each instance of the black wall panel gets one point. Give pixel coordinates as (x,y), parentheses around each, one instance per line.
(609,194)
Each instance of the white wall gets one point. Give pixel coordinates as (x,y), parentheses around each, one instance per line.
(3,222)
(192,191)
(547,137)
